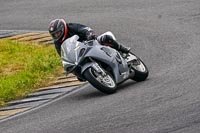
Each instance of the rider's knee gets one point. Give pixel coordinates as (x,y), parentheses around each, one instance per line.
(106,39)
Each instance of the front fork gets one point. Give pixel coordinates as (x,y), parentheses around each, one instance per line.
(98,69)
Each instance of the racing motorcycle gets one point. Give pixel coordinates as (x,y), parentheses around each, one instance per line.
(102,66)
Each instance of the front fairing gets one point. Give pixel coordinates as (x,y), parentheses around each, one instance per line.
(69,52)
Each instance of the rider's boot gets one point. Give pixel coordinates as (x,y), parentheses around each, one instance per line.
(114,44)
(124,49)
(121,47)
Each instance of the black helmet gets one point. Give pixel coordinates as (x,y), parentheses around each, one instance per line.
(58,29)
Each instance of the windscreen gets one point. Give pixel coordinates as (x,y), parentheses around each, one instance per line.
(68,50)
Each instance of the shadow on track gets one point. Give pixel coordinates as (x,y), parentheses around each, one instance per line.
(92,93)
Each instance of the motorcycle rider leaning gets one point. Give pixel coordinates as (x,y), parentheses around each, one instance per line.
(60,31)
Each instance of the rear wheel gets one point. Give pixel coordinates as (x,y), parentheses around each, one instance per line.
(103,82)
(140,69)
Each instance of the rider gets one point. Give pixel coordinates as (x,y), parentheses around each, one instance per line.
(60,31)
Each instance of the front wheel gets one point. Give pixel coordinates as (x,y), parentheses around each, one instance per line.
(141,71)
(103,82)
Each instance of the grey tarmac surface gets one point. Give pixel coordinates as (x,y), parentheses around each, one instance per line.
(164,33)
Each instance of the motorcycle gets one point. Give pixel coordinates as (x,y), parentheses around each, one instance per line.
(102,66)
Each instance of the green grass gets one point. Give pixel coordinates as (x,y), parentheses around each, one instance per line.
(24,67)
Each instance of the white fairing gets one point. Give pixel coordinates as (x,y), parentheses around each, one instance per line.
(67,47)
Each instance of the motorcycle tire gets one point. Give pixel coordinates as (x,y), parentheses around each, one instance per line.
(92,78)
(142,73)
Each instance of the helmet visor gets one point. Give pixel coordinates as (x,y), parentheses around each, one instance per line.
(56,35)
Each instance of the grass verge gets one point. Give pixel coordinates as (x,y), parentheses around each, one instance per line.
(24,67)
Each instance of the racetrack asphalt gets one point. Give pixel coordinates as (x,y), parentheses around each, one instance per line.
(165,34)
